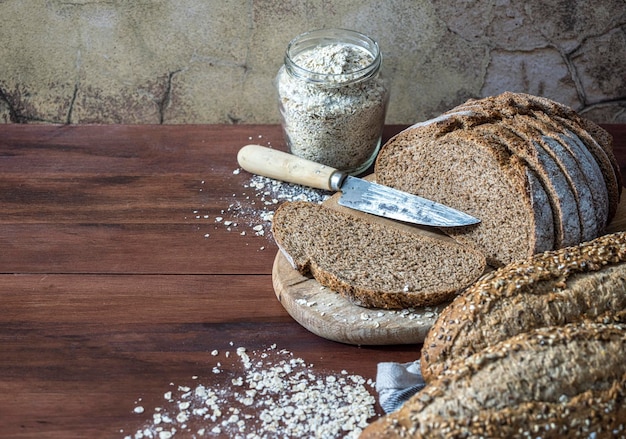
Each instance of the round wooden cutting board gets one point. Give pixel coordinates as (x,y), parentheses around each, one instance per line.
(331,316)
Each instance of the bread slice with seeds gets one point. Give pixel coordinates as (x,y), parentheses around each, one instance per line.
(372,261)
(584,282)
(551,383)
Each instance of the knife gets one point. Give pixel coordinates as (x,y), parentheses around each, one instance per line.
(357,193)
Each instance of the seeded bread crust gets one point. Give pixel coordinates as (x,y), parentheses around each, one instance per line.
(553,382)
(375,263)
(584,282)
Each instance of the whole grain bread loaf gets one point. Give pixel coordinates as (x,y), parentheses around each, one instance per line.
(567,162)
(584,282)
(372,261)
(554,382)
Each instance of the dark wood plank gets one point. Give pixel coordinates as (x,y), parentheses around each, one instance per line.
(145,299)
(132,248)
(68,383)
(71,195)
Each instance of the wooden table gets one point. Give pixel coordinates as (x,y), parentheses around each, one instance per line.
(118,279)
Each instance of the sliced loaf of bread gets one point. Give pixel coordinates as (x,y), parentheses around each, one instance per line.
(576,159)
(372,261)
(596,139)
(551,383)
(571,169)
(456,162)
(524,142)
(584,282)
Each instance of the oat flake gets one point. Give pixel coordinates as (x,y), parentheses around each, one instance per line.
(268,394)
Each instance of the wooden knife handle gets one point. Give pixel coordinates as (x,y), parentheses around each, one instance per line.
(280,165)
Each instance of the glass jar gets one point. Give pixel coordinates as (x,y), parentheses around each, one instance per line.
(333,98)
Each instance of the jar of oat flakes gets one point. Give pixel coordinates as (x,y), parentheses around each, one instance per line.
(333,99)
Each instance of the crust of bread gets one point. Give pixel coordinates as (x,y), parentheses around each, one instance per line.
(553,382)
(588,167)
(591,194)
(527,114)
(605,158)
(525,143)
(584,282)
(597,139)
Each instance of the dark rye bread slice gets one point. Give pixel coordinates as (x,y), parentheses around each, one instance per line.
(568,186)
(566,144)
(523,142)
(584,282)
(374,262)
(549,383)
(446,160)
(598,140)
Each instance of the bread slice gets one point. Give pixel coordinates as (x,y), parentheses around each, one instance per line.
(525,143)
(585,282)
(455,161)
(374,262)
(551,383)
(565,144)
(597,140)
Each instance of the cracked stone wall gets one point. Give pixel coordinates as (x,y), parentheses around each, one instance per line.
(213,61)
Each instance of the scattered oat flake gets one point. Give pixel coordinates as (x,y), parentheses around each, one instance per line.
(265,394)
(255,204)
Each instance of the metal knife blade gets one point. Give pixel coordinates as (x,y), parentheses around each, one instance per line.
(384,201)
(357,193)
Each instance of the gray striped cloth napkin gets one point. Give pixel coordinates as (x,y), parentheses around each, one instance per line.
(397,382)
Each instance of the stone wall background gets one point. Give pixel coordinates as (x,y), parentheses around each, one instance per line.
(213,61)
